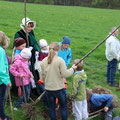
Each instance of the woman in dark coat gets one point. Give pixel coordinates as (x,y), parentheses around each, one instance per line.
(30,42)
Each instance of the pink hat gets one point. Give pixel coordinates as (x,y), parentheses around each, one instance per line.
(43,43)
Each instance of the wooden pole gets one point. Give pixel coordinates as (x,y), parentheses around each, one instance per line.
(25,24)
(97,46)
(98,111)
(10,100)
(23,90)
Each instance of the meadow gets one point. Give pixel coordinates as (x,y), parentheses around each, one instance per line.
(86,27)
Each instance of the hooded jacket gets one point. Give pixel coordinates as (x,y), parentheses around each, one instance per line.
(20,66)
(78,86)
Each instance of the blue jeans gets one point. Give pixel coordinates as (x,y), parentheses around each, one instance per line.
(111,70)
(27,93)
(2,99)
(61,95)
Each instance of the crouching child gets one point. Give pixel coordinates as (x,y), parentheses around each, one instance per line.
(100,101)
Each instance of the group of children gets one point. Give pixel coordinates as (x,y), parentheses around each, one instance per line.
(21,63)
(20,69)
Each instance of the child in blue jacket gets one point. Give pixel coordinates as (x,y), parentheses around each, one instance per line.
(4,75)
(65,50)
(99,101)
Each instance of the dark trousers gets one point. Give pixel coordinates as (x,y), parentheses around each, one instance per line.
(61,95)
(2,99)
(111,70)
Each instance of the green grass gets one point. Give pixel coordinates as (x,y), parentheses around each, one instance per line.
(85,26)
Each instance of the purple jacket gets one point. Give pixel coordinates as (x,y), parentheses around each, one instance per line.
(19,67)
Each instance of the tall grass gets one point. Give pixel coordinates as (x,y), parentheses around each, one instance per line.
(85,26)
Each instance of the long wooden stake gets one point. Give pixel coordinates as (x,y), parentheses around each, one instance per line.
(23,90)
(10,100)
(97,45)
(25,24)
(96,112)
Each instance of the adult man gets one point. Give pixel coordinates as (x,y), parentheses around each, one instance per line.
(99,101)
(112,50)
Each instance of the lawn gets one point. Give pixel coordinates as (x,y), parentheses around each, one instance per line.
(86,27)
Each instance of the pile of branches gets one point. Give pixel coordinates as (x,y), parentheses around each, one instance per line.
(31,110)
(101,90)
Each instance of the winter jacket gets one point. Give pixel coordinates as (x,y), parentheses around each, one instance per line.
(54,73)
(19,67)
(4,73)
(98,99)
(112,48)
(78,86)
(65,54)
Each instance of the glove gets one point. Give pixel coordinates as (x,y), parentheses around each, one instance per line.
(36,55)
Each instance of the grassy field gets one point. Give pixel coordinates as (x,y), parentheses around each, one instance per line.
(85,26)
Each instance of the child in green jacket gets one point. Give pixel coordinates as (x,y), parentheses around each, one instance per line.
(79,105)
(4,75)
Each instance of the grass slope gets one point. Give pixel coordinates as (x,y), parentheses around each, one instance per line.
(85,26)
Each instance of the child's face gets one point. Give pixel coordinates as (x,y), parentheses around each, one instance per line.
(65,46)
(21,47)
(44,48)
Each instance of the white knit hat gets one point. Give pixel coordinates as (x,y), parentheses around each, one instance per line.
(43,43)
(27,22)
(26,53)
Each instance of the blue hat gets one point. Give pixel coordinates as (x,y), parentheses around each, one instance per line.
(66,40)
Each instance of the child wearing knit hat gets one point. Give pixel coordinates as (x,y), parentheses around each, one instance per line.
(44,49)
(19,45)
(20,70)
(41,55)
(65,50)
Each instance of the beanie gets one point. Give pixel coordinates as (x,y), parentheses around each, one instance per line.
(66,40)
(43,43)
(19,41)
(26,53)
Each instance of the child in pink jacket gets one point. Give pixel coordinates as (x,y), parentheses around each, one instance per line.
(20,69)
